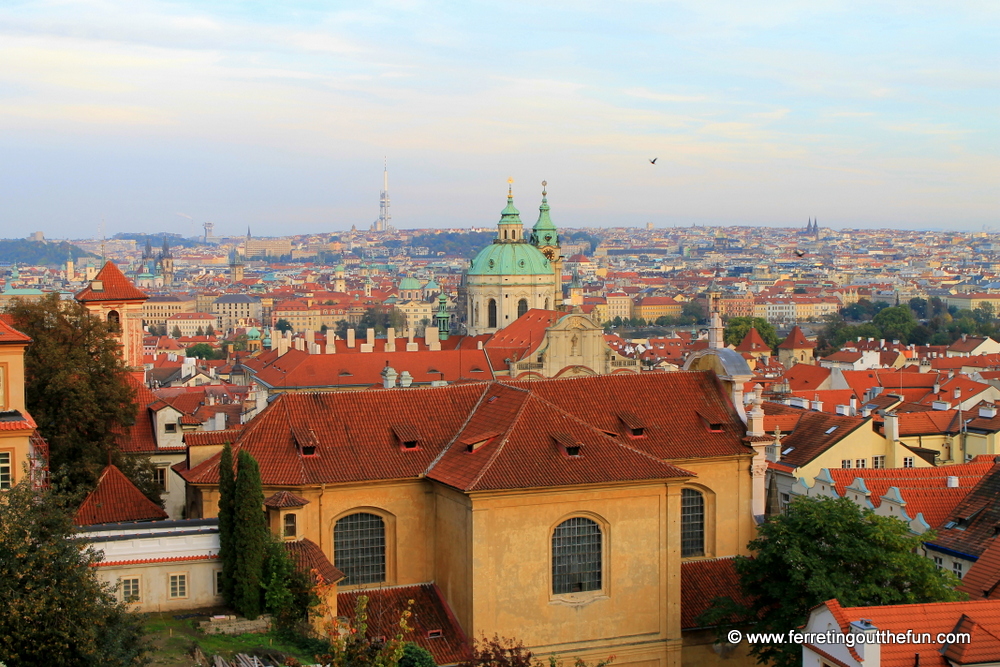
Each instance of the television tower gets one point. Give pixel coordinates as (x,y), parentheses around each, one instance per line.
(383,224)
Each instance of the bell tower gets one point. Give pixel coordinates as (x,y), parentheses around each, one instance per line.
(113,298)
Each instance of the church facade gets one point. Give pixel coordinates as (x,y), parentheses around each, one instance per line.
(515,273)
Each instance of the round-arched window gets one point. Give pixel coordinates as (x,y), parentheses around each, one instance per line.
(576,556)
(359,548)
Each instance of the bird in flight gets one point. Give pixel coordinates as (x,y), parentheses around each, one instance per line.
(799,253)
(653,161)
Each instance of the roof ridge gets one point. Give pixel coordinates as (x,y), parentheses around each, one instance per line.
(458,432)
(503,441)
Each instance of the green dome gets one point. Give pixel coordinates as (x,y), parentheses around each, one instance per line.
(544,232)
(253,333)
(510,259)
(409,283)
(431,285)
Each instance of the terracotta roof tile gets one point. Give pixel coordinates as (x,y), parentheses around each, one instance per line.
(753,342)
(796,340)
(434,626)
(815,433)
(703,581)
(309,558)
(983,578)
(116,287)
(971,525)
(285,499)
(8,334)
(114,500)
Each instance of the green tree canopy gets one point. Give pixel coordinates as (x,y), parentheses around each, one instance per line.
(825,548)
(55,610)
(895,323)
(175,332)
(204,351)
(283,325)
(77,390)
(738,327)
(227,489)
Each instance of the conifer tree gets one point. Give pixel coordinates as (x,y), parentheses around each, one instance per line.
(249,536)
(227,486)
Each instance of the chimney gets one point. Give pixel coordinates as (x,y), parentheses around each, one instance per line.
(843,409)
(405,379)
(371,337)
(282,346)
(957,393)
(389,376)
(350,338)
(331,342)
(390,340)
(411,346)
(816,405)
(431,338)
(891,426)
(952,482)
(755,420)
(854,406)
(988,411)
(310,337)
(867,648)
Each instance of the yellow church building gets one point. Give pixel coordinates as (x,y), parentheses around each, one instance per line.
(558,512)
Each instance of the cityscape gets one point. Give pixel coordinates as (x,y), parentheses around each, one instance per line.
(588,381)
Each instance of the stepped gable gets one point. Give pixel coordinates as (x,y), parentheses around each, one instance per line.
(116,499)
(511,427)
(434,627)
(115,287)
(796,340)
(677,410)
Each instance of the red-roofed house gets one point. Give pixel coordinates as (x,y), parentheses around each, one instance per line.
(113,298)
(116,499)
(796,349)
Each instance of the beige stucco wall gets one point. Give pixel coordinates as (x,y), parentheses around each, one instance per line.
(154,583)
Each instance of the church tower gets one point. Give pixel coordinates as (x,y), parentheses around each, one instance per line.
(235,266)
(545,237)
(167,263)
(113,298)
(511,275)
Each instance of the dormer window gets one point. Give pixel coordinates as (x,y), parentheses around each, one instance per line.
(636,427)
(308,450)
(570,445)
(715,427)
(407,436)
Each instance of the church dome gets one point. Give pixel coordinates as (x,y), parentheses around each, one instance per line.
(409,283)
(510,259)
(253,333)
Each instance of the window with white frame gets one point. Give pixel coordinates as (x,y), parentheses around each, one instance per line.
(957,568)
(178,586)
(160,477)
(130,589)
(861,463)
(878,462)
(939,562)
(845,464)
(907,461)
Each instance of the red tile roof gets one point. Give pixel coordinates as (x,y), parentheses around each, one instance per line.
(752,342)
(983,578)
(796,340)
(285,499)
(970,526)
(521,337)
(140,436)
(703,581)
(114,500)
(15,420)
(311,560)
(801,377)
(116,287)
(8,334)
(816,432)
(931,618)
(431,614)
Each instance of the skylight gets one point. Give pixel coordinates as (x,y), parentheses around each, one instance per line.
(831,430)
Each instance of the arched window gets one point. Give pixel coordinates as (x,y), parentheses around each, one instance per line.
(491,314)
(359,548)
(290,528)
(522,307)
(576,556)
(692,523)
(546,303)
(115,320)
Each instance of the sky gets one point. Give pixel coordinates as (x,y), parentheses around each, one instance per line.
(149,115)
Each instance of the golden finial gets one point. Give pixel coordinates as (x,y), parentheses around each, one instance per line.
(510,187)
(544,193)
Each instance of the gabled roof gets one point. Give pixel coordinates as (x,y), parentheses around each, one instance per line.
(434,627)
(139,436)
(796,340)
(114,500)
(982,581)
(802,377)
(521,337)
(8,334)
(283,499)
(753,342)
(115,287)
(815,433)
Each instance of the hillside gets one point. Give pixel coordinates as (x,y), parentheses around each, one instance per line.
(35,253)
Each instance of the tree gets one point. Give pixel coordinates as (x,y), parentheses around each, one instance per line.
(175,332)
(77,389)
(919,307)
(227,487)
(352,647)
(56,612)
(416,656)
(209,330)
(895,323)
(825,548)
(283,325)
(738,327)
(250,536)
(693,312)
(203,351)
(199,332)
(800,290)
